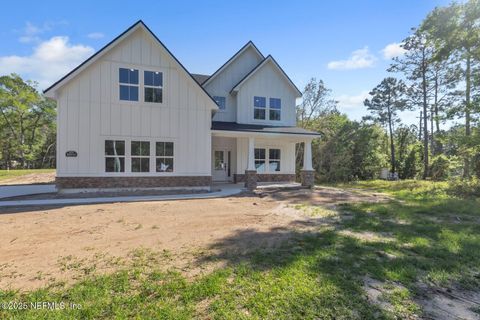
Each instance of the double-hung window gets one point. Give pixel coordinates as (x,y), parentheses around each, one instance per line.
(140,152)
(259,108)
(220,102)
(153,83)
(164,156)
(260,159)
(114,156)
(275,109)
(273,160)
(128,79)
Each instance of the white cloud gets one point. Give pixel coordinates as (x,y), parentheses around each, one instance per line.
(393,50)
(95,35)
(346,102)
(359,59)
(50,60)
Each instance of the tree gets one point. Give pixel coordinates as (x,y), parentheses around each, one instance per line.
(28,121)
(456,33)
(387,100)
(416,65)
(316,101)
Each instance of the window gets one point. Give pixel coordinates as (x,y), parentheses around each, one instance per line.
(164,156)
(260,160)
(153,82)
(114,156)
(140,152)
(128,79)
(259,106)
(275,109)
(273,160)
(220,101)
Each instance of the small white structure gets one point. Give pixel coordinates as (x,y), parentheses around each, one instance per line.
(131,116)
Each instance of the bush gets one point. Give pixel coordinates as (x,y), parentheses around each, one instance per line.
(464,188)
(440,168)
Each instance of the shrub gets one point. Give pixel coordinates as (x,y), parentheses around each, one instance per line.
(464,188)
(440,168)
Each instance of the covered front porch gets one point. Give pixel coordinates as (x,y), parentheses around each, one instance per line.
(255,158)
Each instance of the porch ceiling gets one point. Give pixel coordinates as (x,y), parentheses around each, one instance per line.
(233,129)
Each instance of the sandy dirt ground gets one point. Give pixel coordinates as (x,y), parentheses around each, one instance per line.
(41,246)
(32,178)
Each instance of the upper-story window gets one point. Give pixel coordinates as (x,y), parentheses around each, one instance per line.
(220,102)
(153,82)
(259,108)
(275,109)
(128,79)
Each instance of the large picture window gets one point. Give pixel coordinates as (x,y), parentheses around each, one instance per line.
(114,156)
(260,159)
(128,79)
(153,82)
(275,109)
(140,152)
(259,108)
(164,156)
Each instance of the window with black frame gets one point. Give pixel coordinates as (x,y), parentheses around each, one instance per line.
(114,156)
(140,156)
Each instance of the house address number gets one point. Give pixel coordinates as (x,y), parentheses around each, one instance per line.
(71,153)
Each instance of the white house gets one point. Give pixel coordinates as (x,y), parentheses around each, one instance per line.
(132,116)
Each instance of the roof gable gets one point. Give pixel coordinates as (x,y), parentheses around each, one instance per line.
(266,61)
(50,91)
(248,46)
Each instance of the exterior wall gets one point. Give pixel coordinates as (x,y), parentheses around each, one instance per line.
(90,112)
(266,82)
(228,78)
(287,154)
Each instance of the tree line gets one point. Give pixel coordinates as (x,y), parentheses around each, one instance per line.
(438,76)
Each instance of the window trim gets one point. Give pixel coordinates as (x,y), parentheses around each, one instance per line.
(141,85)
(264,159)
(165,157)
(267,159)
(140,156)
(128,156)
(124,156)
(267,109)
(152,86)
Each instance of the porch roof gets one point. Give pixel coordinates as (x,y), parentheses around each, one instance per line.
(258,128)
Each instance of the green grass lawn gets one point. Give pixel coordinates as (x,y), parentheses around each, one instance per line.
(420,238)
(9,174)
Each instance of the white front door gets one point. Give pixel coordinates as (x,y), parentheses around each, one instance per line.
(221,165)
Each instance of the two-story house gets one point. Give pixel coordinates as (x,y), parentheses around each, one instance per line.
(131,116)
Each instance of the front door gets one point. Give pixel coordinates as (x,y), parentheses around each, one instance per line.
(221,165)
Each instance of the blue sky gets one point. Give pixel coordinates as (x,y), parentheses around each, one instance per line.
(342,42)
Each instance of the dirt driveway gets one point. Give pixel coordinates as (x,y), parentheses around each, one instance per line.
(43,245)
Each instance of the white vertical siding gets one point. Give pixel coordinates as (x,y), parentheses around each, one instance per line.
(228,78)
(266,82)
(89,111)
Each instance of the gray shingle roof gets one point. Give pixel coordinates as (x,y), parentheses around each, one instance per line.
(200,78)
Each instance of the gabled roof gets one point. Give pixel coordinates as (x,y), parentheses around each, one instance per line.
(268,59)
(249,44)
(200,78)
(108,47)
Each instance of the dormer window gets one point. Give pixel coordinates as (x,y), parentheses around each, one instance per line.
(128,79)
(275,109)
(220,102)
(259,108)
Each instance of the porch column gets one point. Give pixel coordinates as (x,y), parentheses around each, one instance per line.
(307,173)
(251,171)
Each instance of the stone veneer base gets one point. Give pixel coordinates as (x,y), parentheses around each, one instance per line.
(273,177)
(164,182)
(308,178)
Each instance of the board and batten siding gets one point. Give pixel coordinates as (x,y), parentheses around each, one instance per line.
(228,78)
(270,83)
(90,112)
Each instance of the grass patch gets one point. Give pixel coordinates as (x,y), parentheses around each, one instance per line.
(432,238)
(9,174)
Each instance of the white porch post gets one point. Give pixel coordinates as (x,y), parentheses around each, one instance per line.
(251,154)
(307,156)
